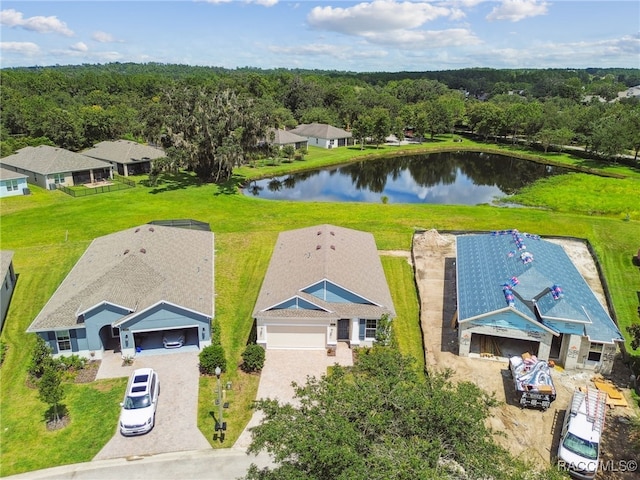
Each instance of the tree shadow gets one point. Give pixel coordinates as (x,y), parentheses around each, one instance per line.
(174,181)
(231,186)
(50,414)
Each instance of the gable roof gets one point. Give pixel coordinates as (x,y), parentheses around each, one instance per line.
(123,151)
(491,267)
(135,269)
(344,257)
(46,160)
(320,130)
(284,137)
(6,174)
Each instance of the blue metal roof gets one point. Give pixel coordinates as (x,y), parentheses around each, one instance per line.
(510,269)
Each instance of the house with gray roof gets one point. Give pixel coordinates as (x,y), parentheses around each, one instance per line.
(9,278)
(323,135)
(12,183)
(126,157)
(324,284)
(281,138)
(49,167)
(518,292)
(128,289)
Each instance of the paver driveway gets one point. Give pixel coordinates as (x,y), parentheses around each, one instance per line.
(176,426)
(281,367)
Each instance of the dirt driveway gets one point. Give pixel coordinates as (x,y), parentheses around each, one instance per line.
(176,426)
(529,433)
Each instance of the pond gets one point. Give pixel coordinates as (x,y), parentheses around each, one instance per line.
(453,178)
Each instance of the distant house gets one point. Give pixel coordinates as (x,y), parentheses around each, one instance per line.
(127,158)
(130,287)
(12,183)
(8,283)
(324,284)
(323,135)
(282,138)
(520,293)
(49,167)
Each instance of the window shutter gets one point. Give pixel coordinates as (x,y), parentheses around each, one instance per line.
(361,331)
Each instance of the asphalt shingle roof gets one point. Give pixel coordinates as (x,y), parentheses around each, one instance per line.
(320,130)
(46,160)
(6,174)
(345,257)
(284,137)
(487,262)
(136,269)
(123,151)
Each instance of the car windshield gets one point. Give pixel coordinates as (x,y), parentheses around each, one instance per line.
(581,447)
(132,403)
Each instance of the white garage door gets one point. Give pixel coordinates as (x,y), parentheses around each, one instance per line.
(296,336)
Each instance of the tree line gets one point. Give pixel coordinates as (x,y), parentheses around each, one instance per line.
(212,119)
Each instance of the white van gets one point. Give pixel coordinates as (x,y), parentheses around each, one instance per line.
(138,413)
(579,448)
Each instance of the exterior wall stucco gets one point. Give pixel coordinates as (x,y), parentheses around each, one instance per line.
(4,185)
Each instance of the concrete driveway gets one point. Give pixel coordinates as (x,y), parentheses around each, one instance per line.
(281,367)
(176,417)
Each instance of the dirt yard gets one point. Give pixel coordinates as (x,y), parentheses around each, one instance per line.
(528,433)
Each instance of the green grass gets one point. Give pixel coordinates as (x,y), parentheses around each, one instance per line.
(50,230)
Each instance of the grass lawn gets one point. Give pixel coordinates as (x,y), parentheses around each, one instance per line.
(48,231)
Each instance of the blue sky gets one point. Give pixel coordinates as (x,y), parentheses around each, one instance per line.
(363,36)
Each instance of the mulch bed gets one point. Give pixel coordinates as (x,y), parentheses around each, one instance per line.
(88,373)
(58,424)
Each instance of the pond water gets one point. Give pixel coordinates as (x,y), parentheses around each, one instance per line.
(453,178)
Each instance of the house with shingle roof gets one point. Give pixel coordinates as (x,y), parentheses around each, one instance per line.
(49,167)
(281,138)
(520,293)
(12,183)
(127,158)
(9,278)
(323,135)
(324,284)
(130,287)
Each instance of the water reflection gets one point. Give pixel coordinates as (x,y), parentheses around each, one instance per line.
(444,178)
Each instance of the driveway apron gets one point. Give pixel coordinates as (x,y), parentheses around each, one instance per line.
(176,417)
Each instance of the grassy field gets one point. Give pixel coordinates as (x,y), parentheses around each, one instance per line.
(48,231)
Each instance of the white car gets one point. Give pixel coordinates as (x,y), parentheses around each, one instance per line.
(173,338)
(138,412)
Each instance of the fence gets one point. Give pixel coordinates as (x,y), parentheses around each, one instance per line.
(84,191)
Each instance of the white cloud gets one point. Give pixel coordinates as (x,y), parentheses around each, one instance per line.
(14,19)
(23,48)
(103,37)
(79,47)
(425,39)
(376,16)
(516,10)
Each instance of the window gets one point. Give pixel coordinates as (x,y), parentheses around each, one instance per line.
(58,178)
(12,185)
(370,329)
(64,340)
(595,352)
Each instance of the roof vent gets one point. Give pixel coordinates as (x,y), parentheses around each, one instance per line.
(319,232)
(137,230)
(151,229)
(333,234)
(143,250)
(333,247)
(126,251)
(318,247)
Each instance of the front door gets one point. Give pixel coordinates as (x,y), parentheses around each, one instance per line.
(343,329)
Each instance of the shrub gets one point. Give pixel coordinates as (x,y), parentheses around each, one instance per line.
(73,362)
(253,358)
(40,358)
(212,357)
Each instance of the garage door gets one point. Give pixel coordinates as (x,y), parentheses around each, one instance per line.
(296,336)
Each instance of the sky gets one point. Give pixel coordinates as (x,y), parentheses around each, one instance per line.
(360,36)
